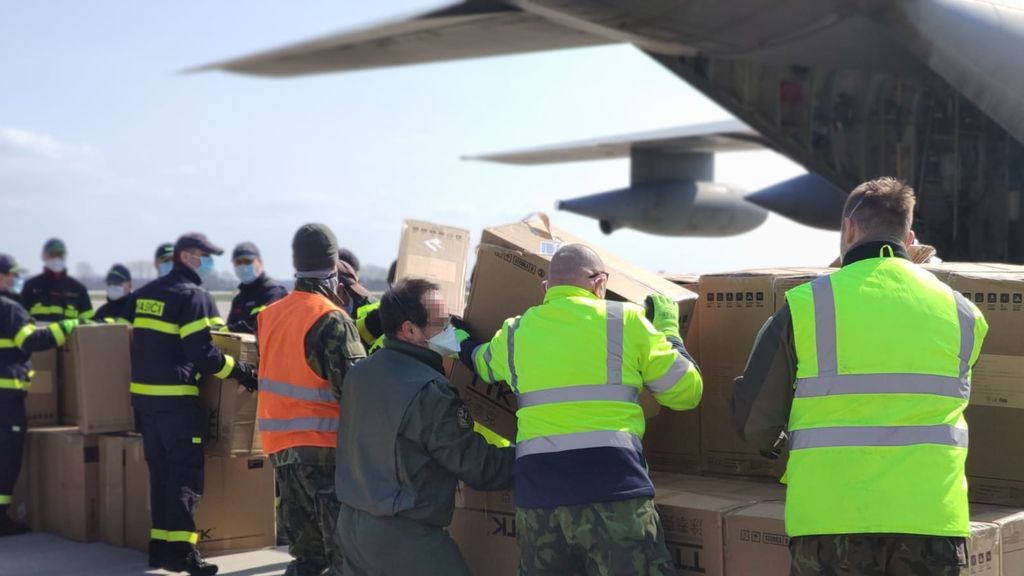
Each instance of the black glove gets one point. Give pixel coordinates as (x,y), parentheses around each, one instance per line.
(467,344)
(246,375)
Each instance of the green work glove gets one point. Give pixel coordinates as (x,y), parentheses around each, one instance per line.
(663,312)
(67,326)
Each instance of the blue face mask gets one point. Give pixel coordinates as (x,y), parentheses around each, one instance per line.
(19,283)
(205,264)
(246,273)
(164,268)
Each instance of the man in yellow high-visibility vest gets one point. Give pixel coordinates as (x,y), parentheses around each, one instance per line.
(867,372)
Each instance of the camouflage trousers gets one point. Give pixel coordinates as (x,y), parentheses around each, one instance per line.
(878,555)
(307,515)
(602,539)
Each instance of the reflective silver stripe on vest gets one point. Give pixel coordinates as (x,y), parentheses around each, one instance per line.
(513,379)
(599,392)
(298,424)
(488,357)
(883,384)
(825,325)
(614,323)
(965,312)
(578,441)
(296,392)
(845,436)
(676,371)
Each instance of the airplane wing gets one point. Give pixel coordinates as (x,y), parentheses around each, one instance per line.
(468,29)
(694,140)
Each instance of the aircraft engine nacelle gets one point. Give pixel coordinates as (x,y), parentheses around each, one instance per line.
(682,208)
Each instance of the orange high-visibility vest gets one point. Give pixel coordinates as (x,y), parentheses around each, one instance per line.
(296,407)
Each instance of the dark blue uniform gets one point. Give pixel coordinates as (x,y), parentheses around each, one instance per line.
(19,338)
(171,351)
(49,297)
(251,299)
(118,311)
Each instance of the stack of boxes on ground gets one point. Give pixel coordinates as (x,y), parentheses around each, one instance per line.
(85,476)
(721,503)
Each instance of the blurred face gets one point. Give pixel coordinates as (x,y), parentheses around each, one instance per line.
(7,281)
(192,258)
(437,320)
(256,263)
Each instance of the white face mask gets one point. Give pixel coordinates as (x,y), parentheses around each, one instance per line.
(445,343)
(116,291)
(55,265)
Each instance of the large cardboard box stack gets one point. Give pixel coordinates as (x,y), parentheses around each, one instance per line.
(487,540)
(995,464)
(64,477)
(437,253)
(41,406)
(230,408)
(237,511)
(137,522)
(733,308)
(512,263)
(95,375)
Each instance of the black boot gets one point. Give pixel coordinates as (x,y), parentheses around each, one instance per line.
(192,564)
(9,527)
(156,553)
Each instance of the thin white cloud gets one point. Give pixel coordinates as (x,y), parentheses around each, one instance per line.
(21,142)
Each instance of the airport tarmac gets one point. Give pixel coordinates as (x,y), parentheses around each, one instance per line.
(39,554)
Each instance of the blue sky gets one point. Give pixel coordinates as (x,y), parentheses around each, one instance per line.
(104,143)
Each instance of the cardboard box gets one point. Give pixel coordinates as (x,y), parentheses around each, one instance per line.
(487,501)
(41,405)
(996,414)
(437,253)
(24,499)
(65,471)
(733,308)
(756,543)
(694,529)
(237,510)
(1011,535)
(512,262)
(95,374)
(231,409)
(137,521)
(112,490)
(487,540)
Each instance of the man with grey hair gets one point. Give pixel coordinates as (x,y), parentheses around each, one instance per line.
(577,364)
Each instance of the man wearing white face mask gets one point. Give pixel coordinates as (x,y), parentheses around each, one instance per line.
(119,304)
(405,439)
(54,295)
(256,290)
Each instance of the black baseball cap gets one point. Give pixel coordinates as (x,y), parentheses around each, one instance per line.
(8,265)
(195,240)
(55,246)
(245,250)
(164,251)
(118,274)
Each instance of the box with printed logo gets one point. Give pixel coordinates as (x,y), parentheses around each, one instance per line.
(437,253)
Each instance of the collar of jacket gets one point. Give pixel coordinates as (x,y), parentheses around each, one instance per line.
(188,273)
(317,286)
(567,291)
(424,355)
(873,249)
(54,276)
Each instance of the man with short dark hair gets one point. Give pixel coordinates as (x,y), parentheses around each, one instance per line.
(171,351)
(119,288)
(404,441)
(54,295)
(256,290)
(866,373)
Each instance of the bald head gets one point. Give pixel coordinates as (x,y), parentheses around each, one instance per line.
(576,265)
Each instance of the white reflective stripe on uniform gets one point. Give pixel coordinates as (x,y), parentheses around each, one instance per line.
(849,436)
(298,424)
(296,392)
(513,380)
(578,441)
(593,392)
(614,327)
(965,313)
(883,384)
(488,357)
(825,325)
(680,366)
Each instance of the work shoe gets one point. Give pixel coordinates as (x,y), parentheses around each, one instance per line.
(9,527)
(192,564)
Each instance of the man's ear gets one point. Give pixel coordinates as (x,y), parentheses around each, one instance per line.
(910,239)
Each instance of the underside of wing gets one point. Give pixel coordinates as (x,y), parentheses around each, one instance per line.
(464,30)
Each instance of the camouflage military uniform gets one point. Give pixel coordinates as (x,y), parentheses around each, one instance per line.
(308,509)
(878,555)
(624,537)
